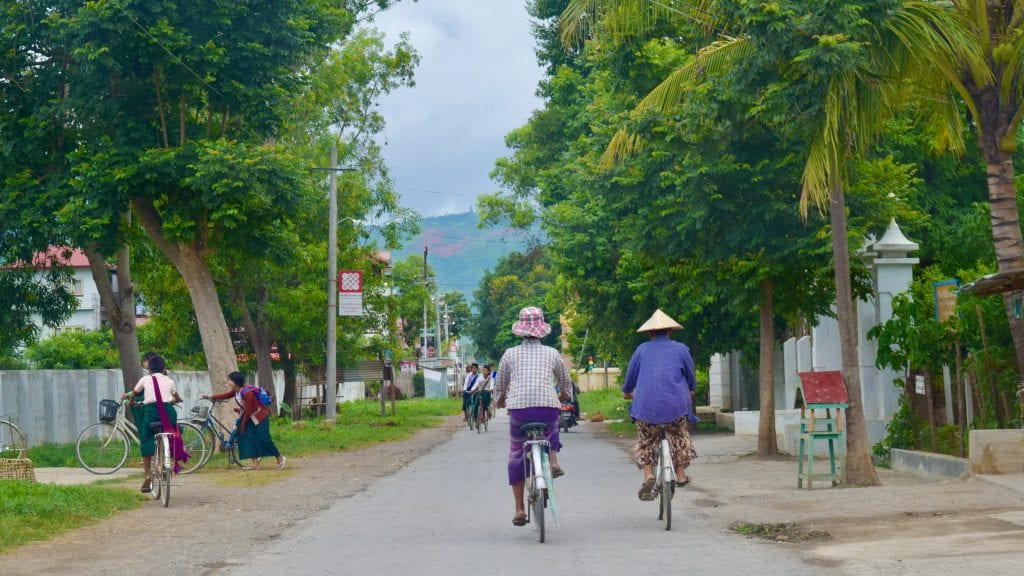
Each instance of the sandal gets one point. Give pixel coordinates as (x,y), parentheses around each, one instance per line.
(280,465)
(147,485)
(519,519)
(647,490)
(556,472)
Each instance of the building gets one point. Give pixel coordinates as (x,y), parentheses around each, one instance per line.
(90,314)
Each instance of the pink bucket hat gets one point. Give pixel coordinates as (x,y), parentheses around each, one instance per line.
(531,323)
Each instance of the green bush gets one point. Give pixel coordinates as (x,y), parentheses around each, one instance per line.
(418,386)
(92,349)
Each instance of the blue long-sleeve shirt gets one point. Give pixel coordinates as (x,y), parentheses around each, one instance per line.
(661,377)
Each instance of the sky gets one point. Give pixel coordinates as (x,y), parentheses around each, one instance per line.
(475,83)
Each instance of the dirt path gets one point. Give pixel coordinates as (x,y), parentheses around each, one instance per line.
(211,507)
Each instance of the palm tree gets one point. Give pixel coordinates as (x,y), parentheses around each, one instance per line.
(859,82)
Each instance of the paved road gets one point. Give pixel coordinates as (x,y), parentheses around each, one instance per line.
(450,511)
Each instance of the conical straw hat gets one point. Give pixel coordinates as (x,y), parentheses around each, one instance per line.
(659,321)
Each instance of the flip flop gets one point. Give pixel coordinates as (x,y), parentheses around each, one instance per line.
(280,465)
(683,483)
(647,490)
(556,471)
(519,519)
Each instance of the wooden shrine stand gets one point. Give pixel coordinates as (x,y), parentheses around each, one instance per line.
(823,400)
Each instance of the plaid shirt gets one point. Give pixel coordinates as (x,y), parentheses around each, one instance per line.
(531,375)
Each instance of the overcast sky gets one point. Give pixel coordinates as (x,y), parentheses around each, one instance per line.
(475,83)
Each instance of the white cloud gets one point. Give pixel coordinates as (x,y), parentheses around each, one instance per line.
(475,83)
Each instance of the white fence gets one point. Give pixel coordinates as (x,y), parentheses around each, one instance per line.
(55,405)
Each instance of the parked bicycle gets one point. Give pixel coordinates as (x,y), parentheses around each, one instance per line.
(13,443)
(539,480)
(664,480)
(213,430)
(103,448)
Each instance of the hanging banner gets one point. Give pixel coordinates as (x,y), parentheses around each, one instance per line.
(350,293)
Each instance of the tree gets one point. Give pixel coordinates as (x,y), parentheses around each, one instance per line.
(819,65)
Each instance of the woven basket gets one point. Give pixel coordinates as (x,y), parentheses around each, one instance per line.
(16,469)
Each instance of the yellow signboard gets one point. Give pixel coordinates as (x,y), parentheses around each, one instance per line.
(945,299)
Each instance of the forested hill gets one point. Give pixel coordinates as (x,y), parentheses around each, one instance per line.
(460,252)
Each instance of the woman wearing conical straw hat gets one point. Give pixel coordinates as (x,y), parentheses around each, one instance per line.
(660,380)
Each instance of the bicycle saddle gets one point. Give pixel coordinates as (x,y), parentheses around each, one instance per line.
(533,427)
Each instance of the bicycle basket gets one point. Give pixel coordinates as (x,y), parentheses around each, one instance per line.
(108,410)
(200,412)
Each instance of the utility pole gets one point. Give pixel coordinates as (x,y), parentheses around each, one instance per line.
(426,287)
(331,375)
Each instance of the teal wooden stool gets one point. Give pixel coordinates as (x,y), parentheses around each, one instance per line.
(822,399)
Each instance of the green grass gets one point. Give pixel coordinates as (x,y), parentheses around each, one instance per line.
(32,512)
(615,408)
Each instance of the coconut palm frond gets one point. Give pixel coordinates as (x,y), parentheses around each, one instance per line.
(623,145)
(816,177)
(716,58)
(1011,84)
(620,20)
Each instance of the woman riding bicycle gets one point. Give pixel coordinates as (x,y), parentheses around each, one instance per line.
(660,380)
(483,386)
(524,386)
(151,410)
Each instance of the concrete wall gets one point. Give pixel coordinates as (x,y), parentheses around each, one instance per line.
(928,465)
(598,379)
(997,451)
(745,423)
(55,405)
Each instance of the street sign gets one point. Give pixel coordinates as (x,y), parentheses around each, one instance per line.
(350,293)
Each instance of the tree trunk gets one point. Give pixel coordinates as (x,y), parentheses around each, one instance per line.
(1006,236)
(120,307)
(860,470)
(767,443)
(258,332)
(288,365)
(188,260)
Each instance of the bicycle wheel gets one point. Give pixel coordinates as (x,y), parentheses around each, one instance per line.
(233,457)
(12,441)
(156,469)
(211,444)
(102,448)
(166,472)
(195,446)
(666,501)
(538,513)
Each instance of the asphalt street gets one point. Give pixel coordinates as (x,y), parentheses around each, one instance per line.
(449,512)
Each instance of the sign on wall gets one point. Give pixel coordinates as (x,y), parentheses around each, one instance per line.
(350,293)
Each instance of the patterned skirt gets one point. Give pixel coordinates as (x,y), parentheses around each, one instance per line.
(649,438)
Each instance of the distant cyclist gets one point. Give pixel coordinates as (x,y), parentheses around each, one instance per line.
(660,380)
(483,386)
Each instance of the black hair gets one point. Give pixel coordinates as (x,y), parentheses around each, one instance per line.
(238,378)
(156,364)
(149,356)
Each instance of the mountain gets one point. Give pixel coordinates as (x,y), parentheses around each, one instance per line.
(459,252)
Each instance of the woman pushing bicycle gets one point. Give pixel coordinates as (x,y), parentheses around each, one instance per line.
(254,439)
(525,374)
(660,380)
(159,396)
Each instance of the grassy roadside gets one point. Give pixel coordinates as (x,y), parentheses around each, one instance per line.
(615,408)
(31,512)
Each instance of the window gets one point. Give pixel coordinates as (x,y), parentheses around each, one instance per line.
(67,329)
(74,286)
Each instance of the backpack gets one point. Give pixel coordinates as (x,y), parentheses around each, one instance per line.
(262,395)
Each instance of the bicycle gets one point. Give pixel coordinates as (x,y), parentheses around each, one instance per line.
(539,481)
(102,448)
(477,414)
(664,480)
(13,444)
(163,464)
(471,418)
(210,427)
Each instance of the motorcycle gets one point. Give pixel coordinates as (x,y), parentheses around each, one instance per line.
(567,416)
